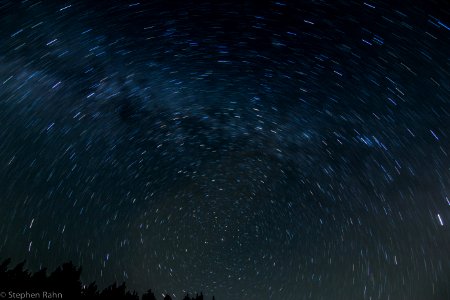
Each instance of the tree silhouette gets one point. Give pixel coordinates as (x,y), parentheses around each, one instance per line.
(39,280)
(197,297)
(149,295)
(66,279)
(65,282)
(187,297)
(113,291)
(167,297)
(91,291)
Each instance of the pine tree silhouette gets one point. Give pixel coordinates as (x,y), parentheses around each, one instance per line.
(116,292)
(18,278)
(149,295)
(198,297)
(39,280)
(91,291)
(187,297)
(167,297)
(65,279)
(3,269)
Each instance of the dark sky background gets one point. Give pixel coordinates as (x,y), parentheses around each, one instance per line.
(270,151)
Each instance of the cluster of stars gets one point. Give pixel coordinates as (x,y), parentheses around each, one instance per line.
(271,151)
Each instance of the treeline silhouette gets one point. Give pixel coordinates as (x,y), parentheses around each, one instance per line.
(64,283)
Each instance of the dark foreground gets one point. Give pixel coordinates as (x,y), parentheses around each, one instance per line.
(63,283)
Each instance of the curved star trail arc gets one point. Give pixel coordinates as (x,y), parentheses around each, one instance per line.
(271,151)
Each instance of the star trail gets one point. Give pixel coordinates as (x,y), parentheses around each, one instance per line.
(271,150)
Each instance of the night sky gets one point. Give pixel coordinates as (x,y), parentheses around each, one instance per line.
(249,151)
